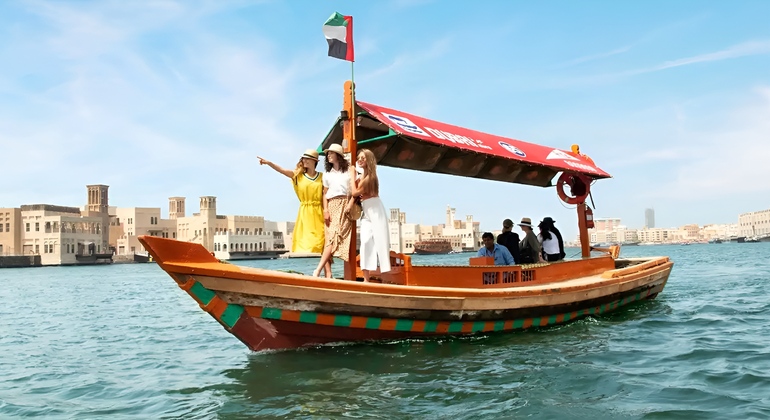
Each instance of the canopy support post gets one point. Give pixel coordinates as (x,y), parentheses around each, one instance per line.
(349,144)
(585,245)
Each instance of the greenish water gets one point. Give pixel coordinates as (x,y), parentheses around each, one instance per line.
(123,341)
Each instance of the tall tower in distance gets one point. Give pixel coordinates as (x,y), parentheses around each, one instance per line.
(209,212)
(98,200)
(99,206)
(450,216)
(649,218)
(176,207)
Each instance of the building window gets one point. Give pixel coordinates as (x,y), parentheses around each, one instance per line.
(37,249)
(1,227)
(37,227)
(7,227)
(27,227)
(173,235)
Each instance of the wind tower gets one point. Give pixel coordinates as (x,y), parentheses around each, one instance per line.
(208,213)
(176,207)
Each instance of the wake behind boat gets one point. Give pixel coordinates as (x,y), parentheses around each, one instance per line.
(268,309)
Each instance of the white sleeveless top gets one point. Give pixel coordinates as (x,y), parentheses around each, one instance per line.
(550,246)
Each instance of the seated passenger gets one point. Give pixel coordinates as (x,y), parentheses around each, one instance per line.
(551,241)
(490,249)
(510,240)
(529,246)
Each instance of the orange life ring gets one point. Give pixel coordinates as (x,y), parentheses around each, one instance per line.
(579,184)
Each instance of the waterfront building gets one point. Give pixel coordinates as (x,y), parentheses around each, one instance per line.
(404,236)
(649,218)
(228,237)
(10,233)
(256,239)
(605,224)
(61,235)
(133,222)
(756,223)
(467,231)
(723,231)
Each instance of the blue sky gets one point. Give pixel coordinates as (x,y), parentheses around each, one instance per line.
(177,98)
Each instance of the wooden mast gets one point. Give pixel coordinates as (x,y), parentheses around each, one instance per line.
(348,117)
(585,246)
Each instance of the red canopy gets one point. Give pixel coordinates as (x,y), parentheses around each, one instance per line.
(463,138)
(404,140)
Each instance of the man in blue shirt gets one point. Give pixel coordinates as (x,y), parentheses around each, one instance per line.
(490,249)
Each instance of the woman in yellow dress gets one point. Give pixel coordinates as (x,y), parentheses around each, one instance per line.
(308,236)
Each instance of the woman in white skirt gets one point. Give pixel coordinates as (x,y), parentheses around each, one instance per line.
(375,235)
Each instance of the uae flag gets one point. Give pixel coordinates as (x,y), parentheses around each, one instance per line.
(338,31)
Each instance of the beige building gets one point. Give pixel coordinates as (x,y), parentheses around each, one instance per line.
(404,236)
(256,239)
(10,232)
(227,236)
(723,231)
(754,224)
(60,235)
(133,222)
(467,231)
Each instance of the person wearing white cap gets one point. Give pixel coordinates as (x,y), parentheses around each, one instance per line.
(308,236)
(339,227)
(529,247)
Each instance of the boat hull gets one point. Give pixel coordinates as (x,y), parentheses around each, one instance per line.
(271,328)
(269,310)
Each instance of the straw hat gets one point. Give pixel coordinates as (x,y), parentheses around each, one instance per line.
(311,154)
(526,221)
(336,148)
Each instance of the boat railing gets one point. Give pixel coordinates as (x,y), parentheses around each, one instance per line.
(482,272)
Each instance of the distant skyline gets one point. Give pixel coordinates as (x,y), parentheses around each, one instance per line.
(176,98)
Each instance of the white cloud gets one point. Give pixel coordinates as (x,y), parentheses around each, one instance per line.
(736,51)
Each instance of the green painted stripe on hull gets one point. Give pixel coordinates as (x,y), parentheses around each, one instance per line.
(308,317)
(232,314)
(271,313)
(342,320)
(404,325)
(455,326)
(201,293)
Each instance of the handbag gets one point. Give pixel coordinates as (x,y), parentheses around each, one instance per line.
(357,210)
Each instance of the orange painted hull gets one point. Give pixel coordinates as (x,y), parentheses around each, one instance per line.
(275,310)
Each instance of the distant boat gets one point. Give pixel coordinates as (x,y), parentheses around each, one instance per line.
(142,258)
(433,246)
(715,241)
(751,239)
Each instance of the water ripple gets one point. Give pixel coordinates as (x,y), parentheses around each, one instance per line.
(124,341)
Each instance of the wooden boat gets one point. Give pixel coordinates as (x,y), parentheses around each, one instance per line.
(268,309)
(433,246)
